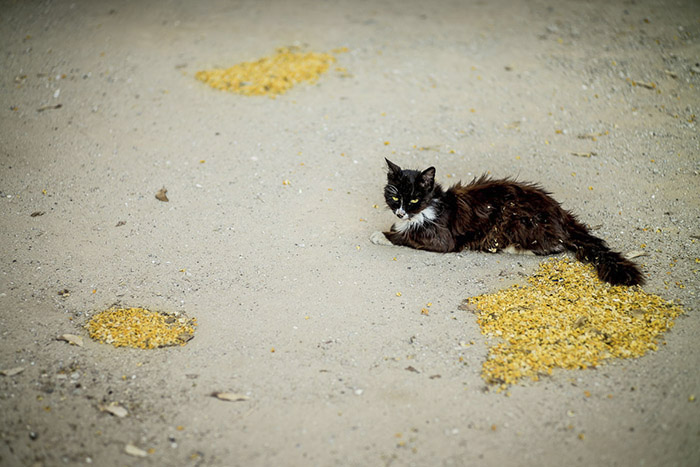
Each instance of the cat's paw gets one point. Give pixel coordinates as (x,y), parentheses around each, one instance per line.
(378,238)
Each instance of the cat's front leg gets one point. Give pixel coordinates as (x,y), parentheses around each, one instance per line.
(379,238)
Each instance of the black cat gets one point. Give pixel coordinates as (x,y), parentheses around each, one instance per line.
(492,215)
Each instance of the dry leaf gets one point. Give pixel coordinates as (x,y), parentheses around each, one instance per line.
(115,409)
(467,306)
(230,396)
(644,85)
(134,451)
(591,136)
(581,321)
(635,254)
(12,371)
(410,368)
(160,196)
(185,336)
(49,107)
(71,339)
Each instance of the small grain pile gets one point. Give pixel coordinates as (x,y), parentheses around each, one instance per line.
(567,318)
(270,76)
(140,328)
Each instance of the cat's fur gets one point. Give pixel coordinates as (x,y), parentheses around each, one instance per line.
(492,215)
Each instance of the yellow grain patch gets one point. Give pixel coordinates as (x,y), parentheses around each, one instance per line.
(567,318)
(140,328)
(269,76)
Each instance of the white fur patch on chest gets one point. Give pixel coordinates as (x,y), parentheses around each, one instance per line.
(426,215)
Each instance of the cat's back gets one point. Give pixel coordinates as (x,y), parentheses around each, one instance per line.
(484,187)
(486,199)
(494,188)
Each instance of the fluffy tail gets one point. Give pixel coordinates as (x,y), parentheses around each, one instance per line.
(612,267)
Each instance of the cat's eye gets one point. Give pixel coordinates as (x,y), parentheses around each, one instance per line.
(414,201)
(394,198)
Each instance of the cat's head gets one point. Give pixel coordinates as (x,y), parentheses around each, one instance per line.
(408,192)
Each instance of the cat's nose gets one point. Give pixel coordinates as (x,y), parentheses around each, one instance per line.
(400,213)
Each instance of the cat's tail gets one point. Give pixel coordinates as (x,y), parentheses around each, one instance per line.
(611,266)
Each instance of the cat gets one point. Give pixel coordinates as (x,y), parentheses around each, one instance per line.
(492,215)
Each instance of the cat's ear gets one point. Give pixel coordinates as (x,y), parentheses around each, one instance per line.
(427,178)
(393,168)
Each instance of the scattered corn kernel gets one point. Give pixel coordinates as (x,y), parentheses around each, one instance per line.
(567,318)
(140,328)
(269,76)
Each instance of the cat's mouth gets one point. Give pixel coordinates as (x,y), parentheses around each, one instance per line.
(401,214)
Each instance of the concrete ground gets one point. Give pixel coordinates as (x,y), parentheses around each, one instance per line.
(297,310)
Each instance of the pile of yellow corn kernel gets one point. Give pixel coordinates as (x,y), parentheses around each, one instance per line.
(567,318)
(270,76)
(140,328)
